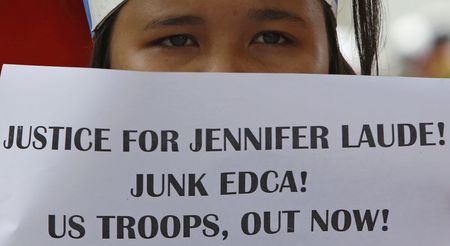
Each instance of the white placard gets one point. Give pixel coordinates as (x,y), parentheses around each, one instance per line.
(283,159)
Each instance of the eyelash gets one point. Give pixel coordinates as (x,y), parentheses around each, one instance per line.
(284,39)
(166,41)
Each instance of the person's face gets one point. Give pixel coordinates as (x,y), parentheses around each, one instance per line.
(221,36)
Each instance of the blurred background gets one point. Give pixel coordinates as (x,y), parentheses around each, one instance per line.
(44,32)
(416,35)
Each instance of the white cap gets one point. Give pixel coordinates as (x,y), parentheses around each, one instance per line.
(333,4)
(98,10)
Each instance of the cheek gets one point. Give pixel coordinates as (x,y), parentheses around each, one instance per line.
(298,62)
(139,60)
(315,55)
(294,62)
(323,54)
(125,56)
(316,60)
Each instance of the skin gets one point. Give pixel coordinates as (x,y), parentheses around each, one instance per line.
(215,36)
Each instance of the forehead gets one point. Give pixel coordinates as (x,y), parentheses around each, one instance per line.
(223,10)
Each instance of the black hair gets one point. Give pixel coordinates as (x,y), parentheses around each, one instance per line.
(101,54)
(367,22)
(366,19)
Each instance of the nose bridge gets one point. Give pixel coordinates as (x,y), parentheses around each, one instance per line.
(227,58)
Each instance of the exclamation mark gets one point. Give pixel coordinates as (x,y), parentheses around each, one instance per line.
(304,176)
(385,219)
(441,127)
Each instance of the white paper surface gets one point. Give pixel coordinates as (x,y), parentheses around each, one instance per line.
(410,182)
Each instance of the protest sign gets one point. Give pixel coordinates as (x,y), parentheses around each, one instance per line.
(102,157)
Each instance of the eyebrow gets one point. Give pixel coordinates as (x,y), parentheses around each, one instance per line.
(274,15)
(253,14)
(183,20)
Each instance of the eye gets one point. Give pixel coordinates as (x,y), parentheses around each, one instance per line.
(180,40)
(271,38)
